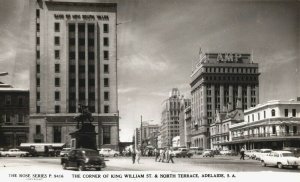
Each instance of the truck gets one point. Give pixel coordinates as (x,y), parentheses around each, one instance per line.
(42,149)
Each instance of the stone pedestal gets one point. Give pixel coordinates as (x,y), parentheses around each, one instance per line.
(85,137)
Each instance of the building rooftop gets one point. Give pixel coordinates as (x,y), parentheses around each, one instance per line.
(272,102)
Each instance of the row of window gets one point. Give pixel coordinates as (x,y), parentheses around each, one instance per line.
(273,114)
(57,96)
(230,70)
(57,109)
(9,118)
(8,100)
(57,82)
(230,78)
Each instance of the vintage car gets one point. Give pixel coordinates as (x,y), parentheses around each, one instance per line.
(195,150)
(14,153)
(181,152)
(208,153)
(64,152)
(280,159)
(83,159)
(107,152)
(261,153)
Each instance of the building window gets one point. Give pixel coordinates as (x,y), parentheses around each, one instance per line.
(106,68)
(106,109)
(7,118)
(56,41)
(57,109)
(105,41)
(106,55)
(20,118)
(57,95)
(37,41)
(106,134)
(264,114)
(56,52)
(37,129)
(56,134)
(38,27)
(37,68)
(8,100)
(106,96)
(56,27)
(38,54)
(106,82)
(105,28)
(57,82)
(258,116)
(57,68)
(286,112)
(294,112)
(21,101)
(38,110)
(273,112)
(37,13)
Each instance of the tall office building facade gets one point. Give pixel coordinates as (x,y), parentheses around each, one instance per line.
(170,117)
(218,81)
(74,61)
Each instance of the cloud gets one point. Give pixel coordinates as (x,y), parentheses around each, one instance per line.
(127,90)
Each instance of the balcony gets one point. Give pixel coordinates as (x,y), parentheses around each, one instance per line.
(267,135)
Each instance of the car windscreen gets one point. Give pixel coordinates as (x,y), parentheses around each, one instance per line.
(91,153)
(288,155)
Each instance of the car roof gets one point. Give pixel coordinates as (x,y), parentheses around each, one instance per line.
(281,151)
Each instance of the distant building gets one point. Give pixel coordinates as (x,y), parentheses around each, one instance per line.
(187,126)
(74,61)
(218,80)
(14,116)
(170,117)
(185,103)
(275,124)
(149,132)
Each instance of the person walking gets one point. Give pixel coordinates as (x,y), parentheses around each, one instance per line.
(138,155)
(156,153)
(170,156)
(161,155)
(133,156)
(242,154)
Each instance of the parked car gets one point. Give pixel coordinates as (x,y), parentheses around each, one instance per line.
(83,159)
(226,152)
(195,150)
(64,152)
(208,153)
(14,153)
(280,159)
(182,152)
(107,152)
(294,150)
(252,153)
(261,153)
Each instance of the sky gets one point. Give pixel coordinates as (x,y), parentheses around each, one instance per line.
(159,41)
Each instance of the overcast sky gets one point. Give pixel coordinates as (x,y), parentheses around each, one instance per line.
(158,41)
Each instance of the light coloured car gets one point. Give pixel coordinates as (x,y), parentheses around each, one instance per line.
(280,159)
(208,153)
(64,152)
(261,153)
(226,152)
(14,153)
(107,152)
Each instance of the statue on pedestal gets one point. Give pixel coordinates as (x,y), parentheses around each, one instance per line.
(85,136)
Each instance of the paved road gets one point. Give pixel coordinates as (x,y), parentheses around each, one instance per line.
(224,164)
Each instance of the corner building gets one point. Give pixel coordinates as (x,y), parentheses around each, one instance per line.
(74,62)
(217,82)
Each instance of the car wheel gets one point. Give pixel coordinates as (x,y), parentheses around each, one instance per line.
(64,165)
(295,167)
(263,164)
(98,169)
(115,155)
(7,155)
(81,167)
(22,155)
(279,165)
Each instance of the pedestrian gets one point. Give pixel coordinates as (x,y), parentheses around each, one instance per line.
(242,154)
(133,156)
(156,153)
(170,156)
(167,154)
(161,155)
(138,155)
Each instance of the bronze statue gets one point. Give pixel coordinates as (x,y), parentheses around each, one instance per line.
(85,115)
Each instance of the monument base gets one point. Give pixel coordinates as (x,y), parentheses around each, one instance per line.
(85,137)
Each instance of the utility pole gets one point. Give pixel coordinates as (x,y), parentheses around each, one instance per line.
(141,130)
